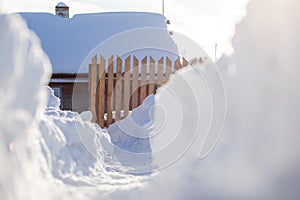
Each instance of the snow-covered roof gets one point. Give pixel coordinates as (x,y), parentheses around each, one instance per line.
(68,41)
(61,4)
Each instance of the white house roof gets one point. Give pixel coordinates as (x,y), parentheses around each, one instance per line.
(67,42)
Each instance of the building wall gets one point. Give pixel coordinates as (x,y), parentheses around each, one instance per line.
(74,96)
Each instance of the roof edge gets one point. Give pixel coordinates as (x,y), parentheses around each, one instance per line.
(95,13)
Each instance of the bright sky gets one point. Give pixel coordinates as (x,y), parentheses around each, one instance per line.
(207,22)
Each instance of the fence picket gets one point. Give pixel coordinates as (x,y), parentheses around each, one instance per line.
(135,77)
(101,92)
(143,80)
(194,62)
(118,89)
(160,71)
(127,86)
(93,85)
(110,90)
(177,64)
(185,63)
(152,77)
(168,69)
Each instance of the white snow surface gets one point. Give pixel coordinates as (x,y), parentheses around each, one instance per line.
(258,155)
(43,149)
(257,158)
(61,4)
(67,42)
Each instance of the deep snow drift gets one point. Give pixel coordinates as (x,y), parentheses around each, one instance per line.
(45,156)
(258,156)
(43,149)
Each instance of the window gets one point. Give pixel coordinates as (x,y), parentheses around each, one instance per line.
(57,92)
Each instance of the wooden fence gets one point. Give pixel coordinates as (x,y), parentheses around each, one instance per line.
(117,86)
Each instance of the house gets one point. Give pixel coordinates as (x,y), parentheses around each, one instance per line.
(68,42)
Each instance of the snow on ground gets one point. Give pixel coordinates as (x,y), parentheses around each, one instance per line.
(52,154)
(44,150)
(80,153)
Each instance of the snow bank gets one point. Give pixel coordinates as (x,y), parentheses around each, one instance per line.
(131,139)
(258,156)
(43,150)
(23,69)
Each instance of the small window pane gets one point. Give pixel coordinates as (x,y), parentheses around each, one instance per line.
(57,92)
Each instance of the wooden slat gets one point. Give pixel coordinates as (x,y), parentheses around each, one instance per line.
(127,86)
(118,89)
(90,87)
(177,64)
(168,69)
(184,63)
(110,90)
(194,62)
(201,61)
(101,92)
(152,77)
(93,86)
(97,92)
(143,80)
(135,87)
(160,72)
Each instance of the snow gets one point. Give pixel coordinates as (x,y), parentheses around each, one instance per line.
(258,154)
(53,101)
(62,155)
(68,42)
(61,4)
(51,152)
(24,68)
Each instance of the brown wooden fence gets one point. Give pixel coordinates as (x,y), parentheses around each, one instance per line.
(117,86)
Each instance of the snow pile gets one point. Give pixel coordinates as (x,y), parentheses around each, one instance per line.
(131,139)
(45,152)
(258,156)
(53,101)
(23,69)
(80,153)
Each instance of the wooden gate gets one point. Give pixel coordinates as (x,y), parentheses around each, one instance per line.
(117,86)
